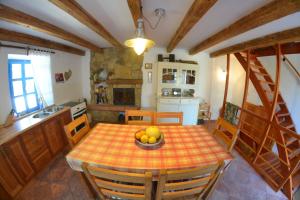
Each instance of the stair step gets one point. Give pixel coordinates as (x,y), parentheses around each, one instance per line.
(261,73)
(294,153)
(286,124)
(289,140)
(281,114)
(281,103)
(266,82)
(268,91)
(255,66)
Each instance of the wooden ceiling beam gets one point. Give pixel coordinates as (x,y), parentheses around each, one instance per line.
(287,48)
(268,13)
(78,12)
(291,35)
(194,14)
(135,9)
(12,36)
(17,17)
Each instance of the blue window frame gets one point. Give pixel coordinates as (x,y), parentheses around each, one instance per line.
(23,92)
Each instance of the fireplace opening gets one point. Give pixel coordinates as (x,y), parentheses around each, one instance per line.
(124,96)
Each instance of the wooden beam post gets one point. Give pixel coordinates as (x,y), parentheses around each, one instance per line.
(12,36)
(272,11)
(226,85)
(194,14)
(286,36)
(17,17)
(135,9)
(75,10)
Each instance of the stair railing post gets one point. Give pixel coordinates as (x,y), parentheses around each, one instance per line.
(246,88)
(273,107)
(226,86)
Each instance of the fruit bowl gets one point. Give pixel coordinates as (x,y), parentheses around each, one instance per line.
(159,142)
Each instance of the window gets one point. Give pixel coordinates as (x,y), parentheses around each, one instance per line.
(22,87)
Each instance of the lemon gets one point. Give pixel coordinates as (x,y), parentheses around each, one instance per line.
(153,131)
(152,140)
(144,139)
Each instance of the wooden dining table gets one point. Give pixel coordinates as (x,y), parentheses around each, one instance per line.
(112,146)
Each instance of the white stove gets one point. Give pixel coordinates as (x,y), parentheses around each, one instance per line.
(77,108)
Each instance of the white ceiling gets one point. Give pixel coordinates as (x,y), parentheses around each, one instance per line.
(116,18)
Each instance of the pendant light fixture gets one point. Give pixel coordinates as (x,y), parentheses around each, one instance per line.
(140,43)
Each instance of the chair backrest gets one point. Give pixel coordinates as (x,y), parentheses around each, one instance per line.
(226,132)
(137,117)
(178,116)
(74,138)
(110,183)
(194,182)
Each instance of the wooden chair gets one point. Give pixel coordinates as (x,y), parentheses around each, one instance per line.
(137,117)
(226,133)
(196,183)
(74,138)
(110,183)
(168,115)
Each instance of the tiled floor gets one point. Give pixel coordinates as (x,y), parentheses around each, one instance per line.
(59,182)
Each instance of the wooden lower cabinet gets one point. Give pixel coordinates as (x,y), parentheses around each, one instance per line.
(17,158)
(27,154)
(54,135)
(10,185)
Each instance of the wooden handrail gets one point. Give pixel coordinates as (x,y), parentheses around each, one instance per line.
(291,65)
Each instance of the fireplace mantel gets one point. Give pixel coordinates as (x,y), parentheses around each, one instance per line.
(125,81)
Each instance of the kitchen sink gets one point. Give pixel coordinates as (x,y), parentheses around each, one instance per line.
(48,111)
(42,115)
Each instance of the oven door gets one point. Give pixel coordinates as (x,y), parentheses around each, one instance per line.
(77,115)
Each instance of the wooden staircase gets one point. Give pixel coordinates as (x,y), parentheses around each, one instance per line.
(279,163)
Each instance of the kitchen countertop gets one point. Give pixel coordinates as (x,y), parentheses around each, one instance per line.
(22,125)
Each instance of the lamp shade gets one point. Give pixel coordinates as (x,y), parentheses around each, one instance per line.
(139,44)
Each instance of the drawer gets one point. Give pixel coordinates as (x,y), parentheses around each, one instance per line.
(34,142)
(170,101)
(189,101)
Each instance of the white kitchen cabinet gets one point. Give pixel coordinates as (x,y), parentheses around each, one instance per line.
(178,90)
(189,107)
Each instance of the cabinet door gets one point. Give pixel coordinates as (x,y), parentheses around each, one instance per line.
(18,159)
(190,113)
(34,142)
(8,180)
(36,147)
(53,132)
(167,107)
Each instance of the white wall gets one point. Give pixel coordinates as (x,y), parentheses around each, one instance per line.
(60,62)
(71,89)
(149,89)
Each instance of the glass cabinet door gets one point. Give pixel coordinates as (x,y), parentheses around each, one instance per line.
(188,76)
(169,75)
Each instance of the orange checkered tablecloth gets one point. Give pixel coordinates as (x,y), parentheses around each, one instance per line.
(112,146)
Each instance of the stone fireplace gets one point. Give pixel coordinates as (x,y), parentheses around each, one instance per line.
(123,85)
